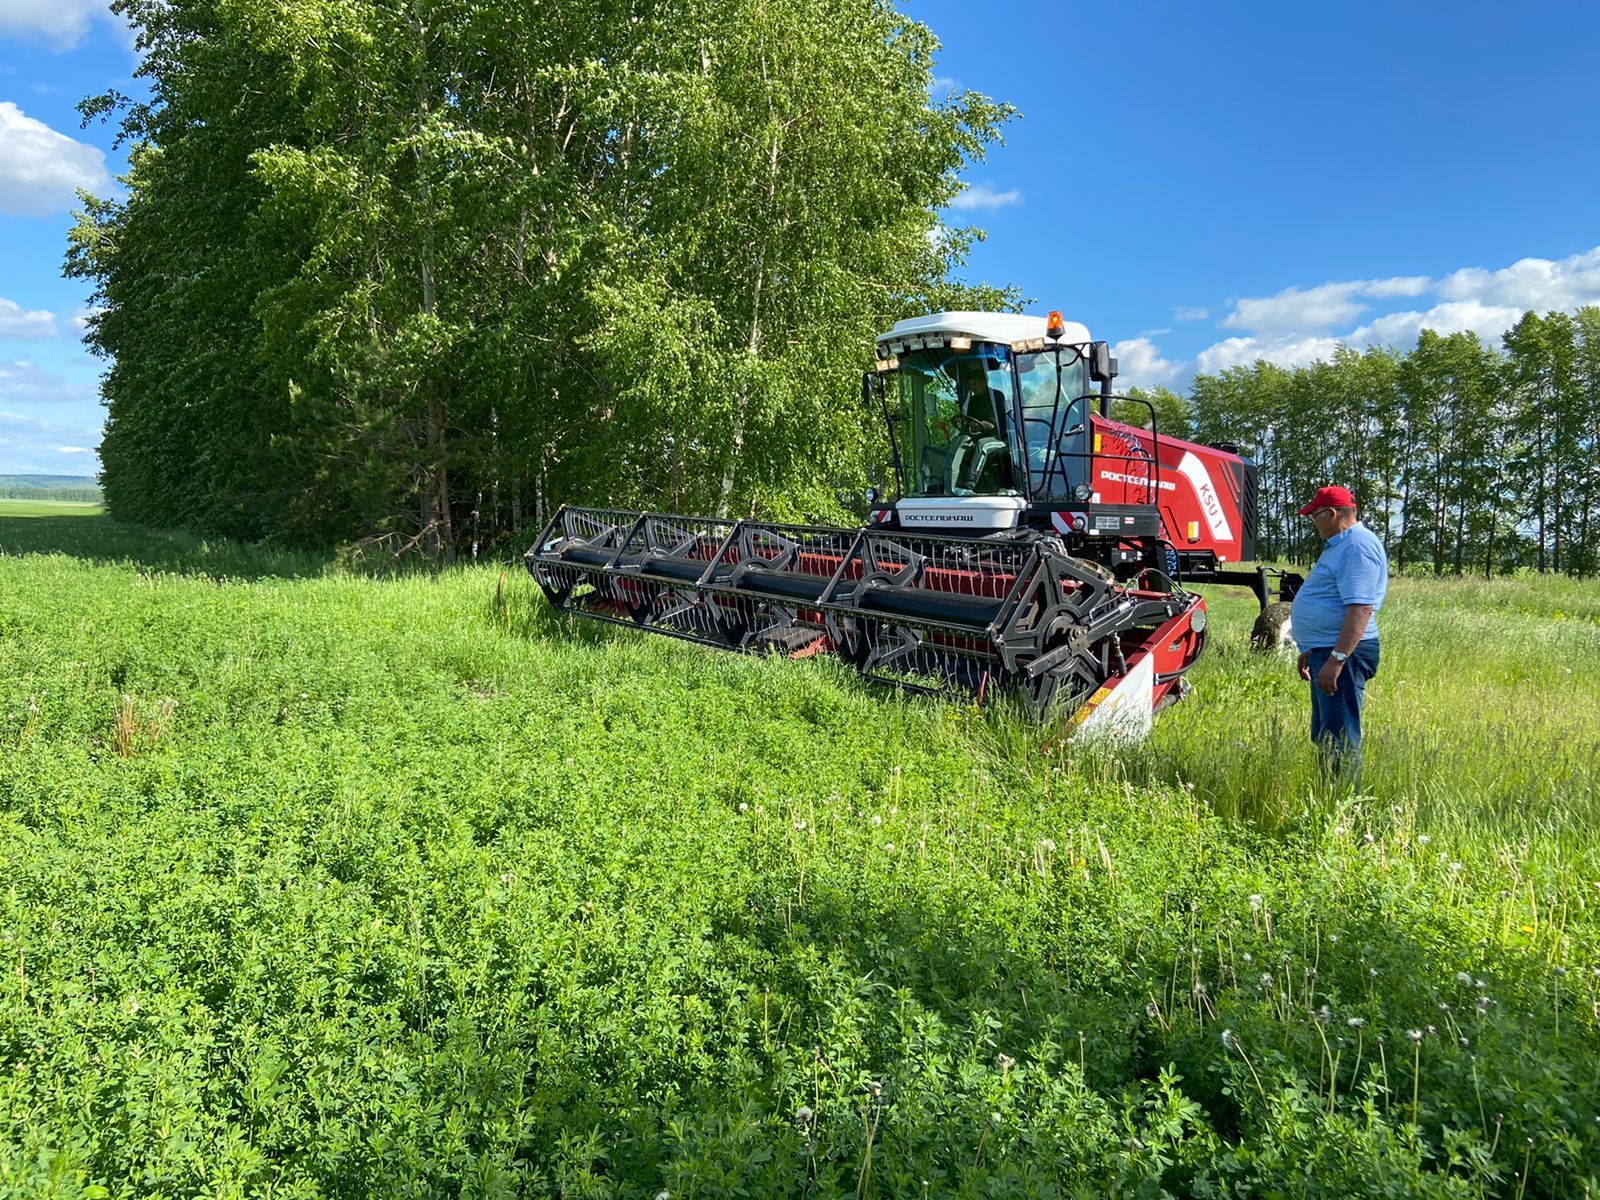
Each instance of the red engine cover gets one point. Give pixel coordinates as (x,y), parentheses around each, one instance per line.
(1199,490)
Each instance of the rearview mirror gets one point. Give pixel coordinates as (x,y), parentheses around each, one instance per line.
(1102,366)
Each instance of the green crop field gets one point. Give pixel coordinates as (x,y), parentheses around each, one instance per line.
(10,507)
(319,885)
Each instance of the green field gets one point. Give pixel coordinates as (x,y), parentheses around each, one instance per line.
(45,508)
(320,885)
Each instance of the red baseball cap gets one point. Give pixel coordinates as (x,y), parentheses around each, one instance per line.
(1329,497)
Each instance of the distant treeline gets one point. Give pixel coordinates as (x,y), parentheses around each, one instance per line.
(1465,457)
(412,273)
(79,495)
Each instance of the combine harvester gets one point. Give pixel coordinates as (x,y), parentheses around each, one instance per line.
(1036,545)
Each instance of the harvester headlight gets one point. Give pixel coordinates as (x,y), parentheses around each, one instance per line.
(961,343)
(883,351)
(1085,490)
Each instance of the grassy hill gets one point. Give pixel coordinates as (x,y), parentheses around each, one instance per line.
(82,489)
(318,885)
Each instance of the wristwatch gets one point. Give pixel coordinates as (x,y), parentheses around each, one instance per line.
(1337,657)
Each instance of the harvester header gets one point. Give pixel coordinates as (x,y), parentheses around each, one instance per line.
(1034,543)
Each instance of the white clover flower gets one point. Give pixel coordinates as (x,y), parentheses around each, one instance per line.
(888,847)
(743,806)
(800,825)
(1005,1061)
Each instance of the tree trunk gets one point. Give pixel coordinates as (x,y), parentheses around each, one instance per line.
(753,345)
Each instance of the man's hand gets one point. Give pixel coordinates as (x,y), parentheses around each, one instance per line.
(1328,677)
(1305,665)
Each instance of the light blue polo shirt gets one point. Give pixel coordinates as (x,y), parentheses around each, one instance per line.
(1353,569)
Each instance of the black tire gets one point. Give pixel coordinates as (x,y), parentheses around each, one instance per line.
(1272,629)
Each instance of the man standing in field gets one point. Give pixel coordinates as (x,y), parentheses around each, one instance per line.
(1335,625)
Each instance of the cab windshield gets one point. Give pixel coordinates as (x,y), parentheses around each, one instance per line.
(1055,422)
(953,410)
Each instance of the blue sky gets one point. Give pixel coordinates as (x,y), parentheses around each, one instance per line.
(1201,184)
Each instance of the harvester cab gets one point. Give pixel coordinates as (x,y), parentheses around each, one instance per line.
(1035,546)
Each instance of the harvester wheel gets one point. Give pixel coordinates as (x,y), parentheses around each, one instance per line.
(1272,630)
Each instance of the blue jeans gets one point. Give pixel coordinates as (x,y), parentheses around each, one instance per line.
(1336,719)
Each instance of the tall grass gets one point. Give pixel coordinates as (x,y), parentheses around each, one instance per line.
(317,885)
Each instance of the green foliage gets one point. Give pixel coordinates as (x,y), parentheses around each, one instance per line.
(415,273)
(1464,460)
(316,885)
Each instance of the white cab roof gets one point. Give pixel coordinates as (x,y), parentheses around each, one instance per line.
(1004,328)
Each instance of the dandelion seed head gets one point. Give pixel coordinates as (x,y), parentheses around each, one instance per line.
(803,1114)
(1229,1040)
(1256,901)
(1464,979)
(1424,840)
(1356,1022)
(876,820)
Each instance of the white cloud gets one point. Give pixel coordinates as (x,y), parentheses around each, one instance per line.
(1323,307)
(21,381)
(46,445)
(1190,314)
(62,24)
(1399,285)
(1320,307)
(81,318)
(1284,351)
(17,322)
(981,195)
(1538,283)
(40,169)
(1139,364)
(1488,321)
